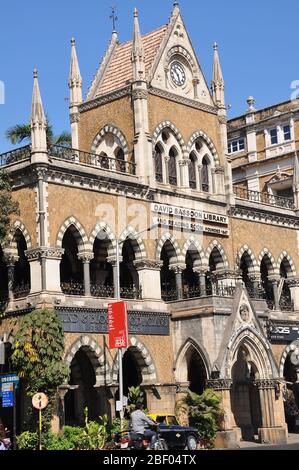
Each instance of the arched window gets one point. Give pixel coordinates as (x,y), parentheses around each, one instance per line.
(158,163)
(120,160)
(205,184)
(172,171)
(22,268)
(192,171)
(71,268)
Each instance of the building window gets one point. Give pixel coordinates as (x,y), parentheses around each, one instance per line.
(287,132)
(236,145)
(274,136)
(192,171)
(205,176)
(158,164)
(172,168)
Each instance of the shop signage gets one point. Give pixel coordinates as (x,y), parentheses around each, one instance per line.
(183,212)
(190,226)
(7,395)
(287,333)
(83,320)
(118,325)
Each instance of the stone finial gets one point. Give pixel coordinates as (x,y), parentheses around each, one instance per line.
(251,102)
(217,80)
(38,121)
(75,79)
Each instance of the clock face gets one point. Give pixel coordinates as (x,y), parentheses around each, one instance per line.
(177,73)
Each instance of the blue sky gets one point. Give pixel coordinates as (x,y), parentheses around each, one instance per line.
(257,40)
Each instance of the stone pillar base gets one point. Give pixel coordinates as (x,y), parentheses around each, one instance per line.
(226,440)
(273,435)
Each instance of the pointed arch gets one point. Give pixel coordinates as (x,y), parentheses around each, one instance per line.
(285,256)
(245,250)
(18,225)
(288,349)
(217,244)
(103,228)
(79,233)
(144,360)
(95,355)
(191,343)
(208,141)
(110,129)
(137,242)
(271,264)
(168,237)
(167,124)
(193,245)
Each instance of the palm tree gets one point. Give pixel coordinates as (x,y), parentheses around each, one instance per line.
(22,132)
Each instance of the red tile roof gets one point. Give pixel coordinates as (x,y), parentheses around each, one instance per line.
(120,69)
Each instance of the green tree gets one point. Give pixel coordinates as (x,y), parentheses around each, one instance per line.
(22,133)
(37,357)
(204,413)
(135,395)
(8,207)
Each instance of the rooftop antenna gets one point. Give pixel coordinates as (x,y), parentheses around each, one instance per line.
(114,18)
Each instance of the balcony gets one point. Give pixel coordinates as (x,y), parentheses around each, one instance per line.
(90,159)
(15,156)
(214,290)
(264,198)
(101,291)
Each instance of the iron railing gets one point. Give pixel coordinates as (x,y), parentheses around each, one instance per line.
(21,290)
(72,288)
(101,291)
(212,290)
(15,156)
(263,198)
(101,161)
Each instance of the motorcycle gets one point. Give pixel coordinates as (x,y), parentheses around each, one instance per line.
(128,440)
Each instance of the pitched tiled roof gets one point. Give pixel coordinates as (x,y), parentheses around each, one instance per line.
(120,69)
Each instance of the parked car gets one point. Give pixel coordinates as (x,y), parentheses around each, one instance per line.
(175,435)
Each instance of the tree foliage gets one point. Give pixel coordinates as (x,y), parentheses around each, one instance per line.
(37,357)
(8,207)
(22,133)
(204,413)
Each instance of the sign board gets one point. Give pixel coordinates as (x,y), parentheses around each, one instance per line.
(118,325)
(7,395)
(288,333)
(10,378)
(40,401)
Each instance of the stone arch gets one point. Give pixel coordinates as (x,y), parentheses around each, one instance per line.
(144,360)
(18,225)
(102,227)
(258,349)
(288,349)
(95,355)
(217,244)
(285,255)
(137,242)
(272,266)
(208,141)
(191,343)
(174,129)
(180,50)
(79,233)
(109,128)
(193,245)
(172,240)
(246,250)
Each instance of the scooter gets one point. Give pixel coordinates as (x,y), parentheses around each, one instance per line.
(128,440)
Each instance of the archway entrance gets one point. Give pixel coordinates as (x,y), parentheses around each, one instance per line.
(291,395)
(245,401)
(82,394)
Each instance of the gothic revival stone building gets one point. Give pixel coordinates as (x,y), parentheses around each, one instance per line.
(205,214)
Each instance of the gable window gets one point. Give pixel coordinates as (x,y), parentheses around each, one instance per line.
(205,175)
(172,167)
(236,145)
(192,171)
(158,164)
(274,136)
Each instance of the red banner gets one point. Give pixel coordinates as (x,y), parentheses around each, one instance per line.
(118,325)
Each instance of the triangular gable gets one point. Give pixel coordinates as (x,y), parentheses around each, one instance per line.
(177,44)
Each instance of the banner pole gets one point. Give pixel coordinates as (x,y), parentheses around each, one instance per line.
(40,430)
(120,352)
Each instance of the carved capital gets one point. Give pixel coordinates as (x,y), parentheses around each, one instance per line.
(225,274)
(86,257)
(219,170)
(219,384)
(74,118)
(292,282)
(274,279)
(149,264)
(177,268)
(10,258)
(139,95)
(44,252)
(112,260)
(184,162)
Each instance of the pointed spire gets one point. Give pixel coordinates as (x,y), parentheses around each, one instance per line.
(75,79)
(38,121)
(176,9)
(217,81)
(137,50)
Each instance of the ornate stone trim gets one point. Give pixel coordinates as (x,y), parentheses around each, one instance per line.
(263,217)
(208,142)
(139,95)
(177,268)
(219,384)
(41,252)
(292,281)
(74,118)
(183,100)
(263,384)
(109,128)
(149,264)
(99,101)
(85,257)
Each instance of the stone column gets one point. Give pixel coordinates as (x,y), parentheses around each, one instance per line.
(112,261)
(272,432)
(51,258)
(275,281)
(86,257)
(166,159)
(255,278)
(149,278)
(293,284)
(202,279)
(10,260)
(178,270)
(184,169)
